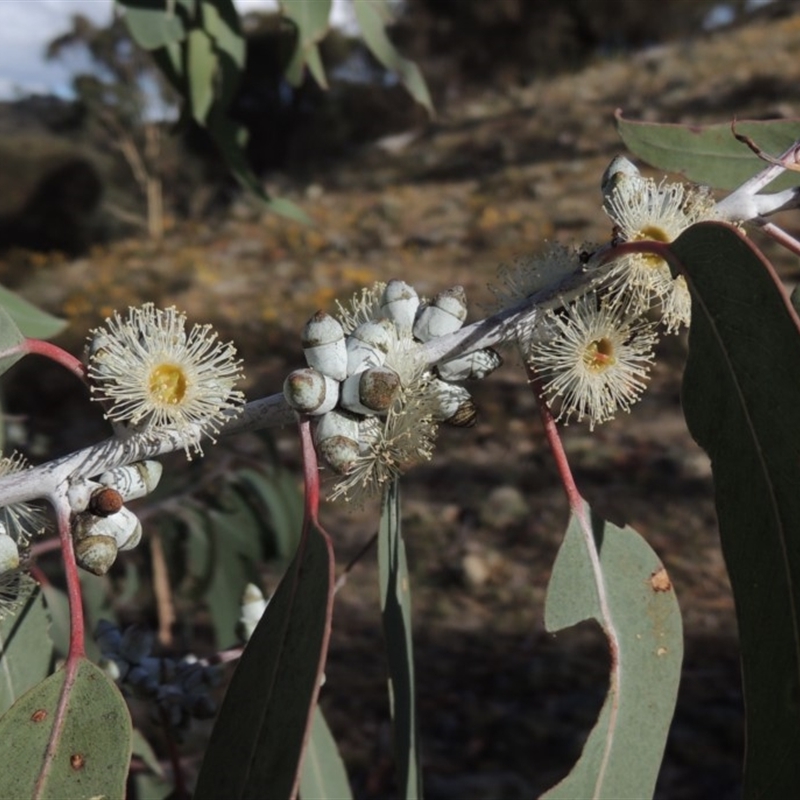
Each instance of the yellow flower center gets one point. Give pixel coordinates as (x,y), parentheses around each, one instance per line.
(654,234)
(599,355)
(167,384)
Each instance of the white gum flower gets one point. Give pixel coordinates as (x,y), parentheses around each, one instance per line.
(642,209)
(362,307)
(594,359)
(152,374)
(527,275)
(20,521)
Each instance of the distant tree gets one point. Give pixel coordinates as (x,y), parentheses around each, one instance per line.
(127,103)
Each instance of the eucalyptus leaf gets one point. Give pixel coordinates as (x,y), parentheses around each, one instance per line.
(10,339)
(372,16)
(323,774)
(710,154)
(611,575)
(311,18)
(396,616)
(31,321)
(91,740)
(741,393)
(26,652)
(152,27)
(259,736)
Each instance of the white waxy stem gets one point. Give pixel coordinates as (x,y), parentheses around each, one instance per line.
(336,435)
(471,366)
(445,314)
(253,607)
(368,344)
(449,398)
(9,553)
(370,392)
(324,346)
(96,553)
(309,391)
(135,480)
(400,303)
(123,527)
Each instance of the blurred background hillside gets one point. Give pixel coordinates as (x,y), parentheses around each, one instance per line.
(108,199)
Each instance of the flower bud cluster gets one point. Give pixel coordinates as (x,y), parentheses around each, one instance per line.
(376,404)
(180,688)
(101,524)
(19,523)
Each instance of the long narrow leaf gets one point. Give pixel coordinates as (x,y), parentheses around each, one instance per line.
(257,741)
(323,774)
(396,612)
(741,395)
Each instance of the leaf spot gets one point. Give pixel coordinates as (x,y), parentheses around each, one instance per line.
(77,761)
(659,581)
(661,651)
(39,716)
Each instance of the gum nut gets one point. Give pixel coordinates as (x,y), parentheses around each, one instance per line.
(370,392)
(79,494)
(105,501)
(324,346)
(368,344)
(471,366)
(9,553)
(445,314)
(134,481)
(400,303)
(465,417)
(120,526)
(619,168)
(340,452)
(308,391)
(134,539)
(336,423)
(96,554)
(449,397)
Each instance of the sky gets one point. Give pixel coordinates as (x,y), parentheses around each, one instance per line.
(26,26)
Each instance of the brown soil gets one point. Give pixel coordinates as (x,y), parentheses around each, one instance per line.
(504,706)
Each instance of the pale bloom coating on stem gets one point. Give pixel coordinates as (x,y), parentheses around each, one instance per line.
(642,209)
(21,521)
(152,374)
(592,358)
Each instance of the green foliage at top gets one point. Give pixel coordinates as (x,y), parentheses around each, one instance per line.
(740,395)
(710,154)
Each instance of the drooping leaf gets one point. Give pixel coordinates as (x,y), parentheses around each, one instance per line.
(91,746)
(202,70)
(26,652)
(710,154)
(396,616)
(31,321)
(311,19)
(372,16)
(625,588)
(741,395)
(10,339)
(58,613)
(323,774)
(257,741)
(152,27)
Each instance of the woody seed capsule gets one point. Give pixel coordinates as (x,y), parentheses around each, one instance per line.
(368,344)
(310,392)
(324,346)
(336,435)
(400,303)
(135,480)
(444,315)
(370,392)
